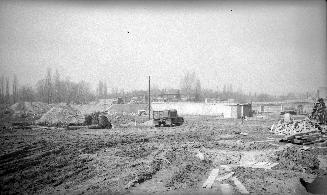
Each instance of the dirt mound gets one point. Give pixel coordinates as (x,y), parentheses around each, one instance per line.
(292,158)
(26,109)
(61,115)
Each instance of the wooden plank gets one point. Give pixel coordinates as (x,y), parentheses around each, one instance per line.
(240,186)
(211,179)
(227,176)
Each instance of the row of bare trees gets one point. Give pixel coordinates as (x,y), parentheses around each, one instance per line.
(191,87)
(50,89)
(53,89)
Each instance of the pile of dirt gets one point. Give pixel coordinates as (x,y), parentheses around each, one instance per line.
(27,109)
(61,114)
(293,158)
(294,126)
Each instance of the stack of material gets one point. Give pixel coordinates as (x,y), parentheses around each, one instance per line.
(319,112)
(61,115)
(301,132)
(294,126)
(314,137)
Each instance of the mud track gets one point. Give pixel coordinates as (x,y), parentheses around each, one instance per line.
(150,160)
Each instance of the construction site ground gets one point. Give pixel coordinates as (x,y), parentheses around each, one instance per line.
(146,160)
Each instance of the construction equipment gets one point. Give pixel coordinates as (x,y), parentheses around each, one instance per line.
(97,120)
(167,118)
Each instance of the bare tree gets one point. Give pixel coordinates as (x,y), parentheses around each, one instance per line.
(41,91)
(187,84)
(7,98)
(26,93)
(57,92)
(15,89)
(105,90)
(2,89)
(100,90)
(48,86)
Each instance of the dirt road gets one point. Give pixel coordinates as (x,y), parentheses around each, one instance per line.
(127,160)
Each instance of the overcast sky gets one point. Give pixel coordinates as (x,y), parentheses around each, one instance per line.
(262,47)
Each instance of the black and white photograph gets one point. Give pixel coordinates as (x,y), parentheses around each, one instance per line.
(169,97)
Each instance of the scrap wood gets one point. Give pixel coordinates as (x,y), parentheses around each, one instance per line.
(227,176)
(240,186)
(211,179)
(264,165)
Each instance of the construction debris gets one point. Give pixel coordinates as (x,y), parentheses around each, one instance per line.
(314,137)
(294,127)
(263,165)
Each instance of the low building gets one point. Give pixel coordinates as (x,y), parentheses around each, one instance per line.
(239,110)
(207,109)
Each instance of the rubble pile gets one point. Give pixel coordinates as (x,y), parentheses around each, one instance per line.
(301,132)
(292,127)
(61,114)
(319,112)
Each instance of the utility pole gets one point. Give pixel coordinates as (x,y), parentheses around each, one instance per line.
(149,101)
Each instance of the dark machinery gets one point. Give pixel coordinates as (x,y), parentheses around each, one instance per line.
(167,118)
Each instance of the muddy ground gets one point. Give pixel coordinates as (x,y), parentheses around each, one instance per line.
(146,160)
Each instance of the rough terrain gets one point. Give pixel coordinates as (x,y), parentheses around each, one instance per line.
(145,160)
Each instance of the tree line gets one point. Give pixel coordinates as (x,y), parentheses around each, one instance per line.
(54,89)
(50,89)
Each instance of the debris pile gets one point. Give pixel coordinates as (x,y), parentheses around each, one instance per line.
(319,112)
(301,132)
(61,114)
(313,137)
(292,127)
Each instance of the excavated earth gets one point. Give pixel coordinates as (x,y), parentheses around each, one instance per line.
(146,160)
